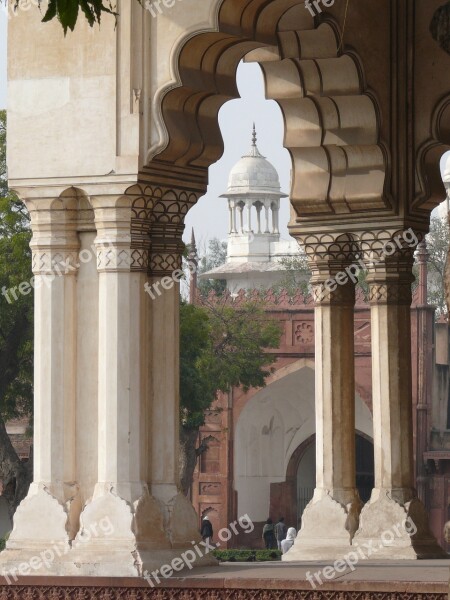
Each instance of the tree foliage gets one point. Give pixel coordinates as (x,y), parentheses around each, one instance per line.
(220,347)
(16,328)
(440,27)
(67,11)
(215,256)
(438,246)
(297,274)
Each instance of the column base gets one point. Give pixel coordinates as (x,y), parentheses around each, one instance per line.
(116,538)
(327,529)
(40,520)
(396,528)
(180,518)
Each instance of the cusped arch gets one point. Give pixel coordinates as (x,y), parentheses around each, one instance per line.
(331,123)
(429,158)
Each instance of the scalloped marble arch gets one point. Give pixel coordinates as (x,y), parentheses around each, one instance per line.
(331,123)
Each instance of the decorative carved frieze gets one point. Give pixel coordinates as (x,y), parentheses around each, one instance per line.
(103,592)
(331,292)
(113,259)
(141,210)
(391,293)
(57,262)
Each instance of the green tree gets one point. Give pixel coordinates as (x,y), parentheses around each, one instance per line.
(67,11)
(16,330)
(438,246)
(220,347)
(440,26)
(215,256)
(297,274)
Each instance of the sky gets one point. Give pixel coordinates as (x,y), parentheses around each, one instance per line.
(210,215)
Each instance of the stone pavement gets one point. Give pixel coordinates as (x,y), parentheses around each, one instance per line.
(436,571)
(394,580)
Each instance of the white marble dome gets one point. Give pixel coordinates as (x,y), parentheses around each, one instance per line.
(253,174)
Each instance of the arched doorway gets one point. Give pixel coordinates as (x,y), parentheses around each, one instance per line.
(306,472)
(273,431)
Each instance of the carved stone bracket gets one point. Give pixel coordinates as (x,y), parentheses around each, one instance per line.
(175,192)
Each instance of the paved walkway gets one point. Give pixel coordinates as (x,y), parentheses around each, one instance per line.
(394,580)
(433,571)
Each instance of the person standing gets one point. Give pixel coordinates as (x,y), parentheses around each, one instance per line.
(280,532)
(268,535)
(207,529)
(289,541)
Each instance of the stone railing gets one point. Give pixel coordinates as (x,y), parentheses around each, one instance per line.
(277,299)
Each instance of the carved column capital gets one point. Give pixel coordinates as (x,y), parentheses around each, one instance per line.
(390,276)
(331,258)
(113,241)
(389,257)
(55,242)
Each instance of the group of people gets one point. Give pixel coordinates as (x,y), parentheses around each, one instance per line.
(274,536)
(278,536)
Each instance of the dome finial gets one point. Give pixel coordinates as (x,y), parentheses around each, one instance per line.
(254,136)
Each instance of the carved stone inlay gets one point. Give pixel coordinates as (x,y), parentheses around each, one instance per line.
(335,294)
(209,488)
(304,333)
(392,293)
(58,262)
(113,259)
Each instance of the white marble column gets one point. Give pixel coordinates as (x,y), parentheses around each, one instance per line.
(393,499)
(331,518)
(258,217)
(48,514)
(266,210)
(121,497)
(249,216)
(241,218)
(275,225)
(164,417)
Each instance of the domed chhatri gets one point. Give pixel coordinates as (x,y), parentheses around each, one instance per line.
(254,185)
(255,248)
(254,174)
